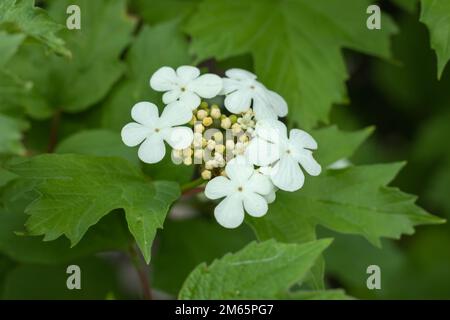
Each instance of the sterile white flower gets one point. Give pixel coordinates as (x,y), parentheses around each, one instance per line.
(186,85)
(243,188)
(281,155)
(243,91)
(152,130)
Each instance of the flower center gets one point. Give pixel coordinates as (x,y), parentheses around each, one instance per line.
(288,151)
(240,189)
(157,129)
(183,89)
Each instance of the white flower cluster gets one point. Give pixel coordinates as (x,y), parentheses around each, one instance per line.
(264,157)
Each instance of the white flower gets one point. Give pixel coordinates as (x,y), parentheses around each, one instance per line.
(280,156)
(244,188)
(152,130)
(185,85)
(241,89)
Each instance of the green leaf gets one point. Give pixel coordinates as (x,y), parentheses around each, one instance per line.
(78,190)
(154,47)
(245,274)
(22,16)
(335,144)
(317,295)
(15,243)
(11,135)
(76,84)
(436,16)
(98,142)
(6,176)
(185,244)
(9,43)
(352,273)
(49,282)
(296,45)
(354,200)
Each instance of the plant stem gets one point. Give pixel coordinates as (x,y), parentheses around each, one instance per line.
(141,270)
(193,185)
(53,139)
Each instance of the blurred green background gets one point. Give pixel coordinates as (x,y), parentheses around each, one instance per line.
(402,98)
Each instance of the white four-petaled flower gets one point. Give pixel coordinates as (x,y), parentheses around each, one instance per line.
(152,130)
(186,85)
(243,188)
(279,155)
(243,91)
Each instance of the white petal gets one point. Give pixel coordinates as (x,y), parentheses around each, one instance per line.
(152,150)
(238,101)
(206,86)
(287,175)
(305,158)
(271,130)
(171,96)
(175,114)
(255,205)
(263,109)
(134,133)
(239,171)
(164,79)
(218,187)
(259,183)
(179,137)
(271,197)
(230,212)
(279,105)
(145,113)
(190,100)
(187,73)
(240,74)
(301,139)
(261,152)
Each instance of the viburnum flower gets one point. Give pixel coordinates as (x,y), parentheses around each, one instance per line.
(243,91)
(152,130)
(243,188)
(280,155)
(186,85)
(241,150)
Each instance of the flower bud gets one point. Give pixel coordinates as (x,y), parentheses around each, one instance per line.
(198,154)
(215,112)
(210,164)
(220,148)
(233,118)
(201,114)
(218,136)
(239,148)
(207,121)
(206,174)
(243,138)
(187,152)
(225,123)
(211,144)
(229,144)
(236,129)
(199,128)
(187,161)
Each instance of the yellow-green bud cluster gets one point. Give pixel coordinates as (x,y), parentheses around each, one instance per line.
(217,139)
